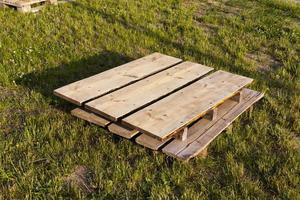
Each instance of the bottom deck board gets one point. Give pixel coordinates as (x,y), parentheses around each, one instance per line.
(201,133)
(90,117)
(113,127)
(122,131)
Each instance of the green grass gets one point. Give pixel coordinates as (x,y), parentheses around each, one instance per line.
(258,159)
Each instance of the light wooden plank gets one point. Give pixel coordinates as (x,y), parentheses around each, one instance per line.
(150,142)
(131,98)
(171,114)
(90,117)
(122,131)
(208,136)
(116,78)
(198,128)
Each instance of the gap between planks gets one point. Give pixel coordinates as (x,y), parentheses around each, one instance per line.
(125,101)
(188,105)
(116,78)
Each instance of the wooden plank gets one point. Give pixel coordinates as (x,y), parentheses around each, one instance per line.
(209,135)
(150,142)
(116,78)
(170,115)
(204,124)
(131,98)
(90,117)
(122,131)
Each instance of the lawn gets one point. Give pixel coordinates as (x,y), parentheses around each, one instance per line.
(41,143)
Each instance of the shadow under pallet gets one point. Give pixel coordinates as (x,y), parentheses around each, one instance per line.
(162,103)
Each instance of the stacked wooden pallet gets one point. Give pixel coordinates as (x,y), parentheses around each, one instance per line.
(26,5)
(162,102)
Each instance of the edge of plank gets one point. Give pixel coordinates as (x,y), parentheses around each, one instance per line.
(60,94)
(90,117)
(199,144)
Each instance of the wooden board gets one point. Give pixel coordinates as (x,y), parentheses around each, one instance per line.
(116,78)
(150,142)
(204,123)
(90,117)
(120,130)
(133,97)
(115,128)
(169,115)
(205,131)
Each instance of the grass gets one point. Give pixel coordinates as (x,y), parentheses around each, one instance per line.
(40,143)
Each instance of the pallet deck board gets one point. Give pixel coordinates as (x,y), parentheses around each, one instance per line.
(150,142)
(131,98)
(178,110)
(116,78)
(122,131)
(206,136)
(90,117)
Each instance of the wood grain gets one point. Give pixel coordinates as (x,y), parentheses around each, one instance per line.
(116,78)
(122,131)
(90,117)
(131,98)
(171,114)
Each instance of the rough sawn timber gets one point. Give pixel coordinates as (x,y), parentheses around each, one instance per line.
(116,78)
(133,97)
(170,115)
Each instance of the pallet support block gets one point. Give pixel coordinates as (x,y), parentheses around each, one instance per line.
(238,96)
(183,135)
(212,114)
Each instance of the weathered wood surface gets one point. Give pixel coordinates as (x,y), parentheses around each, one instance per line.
(193,131)
(122,131)
(176,111)
(133,97)
(116,78)
(206,131)
(150,142)
(90,117)
(115,128)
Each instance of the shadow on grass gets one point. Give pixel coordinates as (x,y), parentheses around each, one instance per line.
(193,50)
(50,79)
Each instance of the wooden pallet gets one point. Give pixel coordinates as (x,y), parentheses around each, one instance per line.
(25,6)
(164,103)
